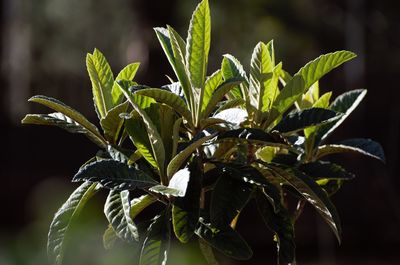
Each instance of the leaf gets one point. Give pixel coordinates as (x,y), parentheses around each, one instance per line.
(170,99)
(219,94)
(175,88)
(177,185)
(109,238)
(299,120)
(64,218)
(226,240)
(157,242)
(186,210)
(261,72)
(67,111)
(154,136)
(229,197)
(310,190)
(178,160)
(114,175)
(112,122)
(232,68)
(288,95)
(233,116)
(140,203)
(322,65)
(232,103)
(128,73)
(282,225)
(345,104)
(212,83)
(117,211)
(102,80)
(60,120)
(366,147)
(252,135)
(325,170)
(198,44)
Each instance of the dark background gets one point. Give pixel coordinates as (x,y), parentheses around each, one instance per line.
(43,49)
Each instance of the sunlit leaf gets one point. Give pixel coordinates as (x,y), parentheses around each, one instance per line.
(211,84)
(112,122)
(64,218)
(128,73)
(325,170)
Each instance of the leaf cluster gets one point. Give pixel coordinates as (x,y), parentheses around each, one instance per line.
(241,137)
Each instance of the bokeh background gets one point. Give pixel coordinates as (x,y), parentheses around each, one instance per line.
(43,49)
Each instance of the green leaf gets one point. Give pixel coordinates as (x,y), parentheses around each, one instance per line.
(60,120)
(109,238)
(64,218)
(325,170)
(178,160)
(114,175)
(128,73)
(140,203)
(310,190)
(279,221)
(232,103)
(366,147)
(226,240)
(212,83)
(229,197)
(117,211)
(299,120)
(262,89)
(219,94)
(232,68)
(252,135)
(198,44)
(112,122)
(157,242)
(288,95)
(138,134)
(322,65)
(102,80)
(170,99)
(186,210)
(69,112)
(177,185)
(154,136)
(345,104)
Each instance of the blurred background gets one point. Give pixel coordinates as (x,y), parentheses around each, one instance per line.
(43,48)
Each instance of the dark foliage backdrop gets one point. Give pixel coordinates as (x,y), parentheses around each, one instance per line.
(43,46)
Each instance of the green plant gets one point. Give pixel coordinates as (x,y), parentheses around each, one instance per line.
(232,134)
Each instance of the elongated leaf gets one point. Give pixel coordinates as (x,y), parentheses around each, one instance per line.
(140,203)
(67,111)
(232,103)
(251,134)
(198,44)
(180,68)
(288,95)
(345,104)
(226,240)
(60,120)
(366,147)
(128,73)
(186,210)
(325,170)
(102,80)
(305,118)
(109,238)
(232,68)
(262,65)
(229,197)
(219,94)
(325,63)
(112,122)
(310,190)
(64,218)
(177,185)
(117,211)
(279,221)
(170,99)
(178,160)
(157,242)
(233,116)
(114,175)
(154,136)
(211,84)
